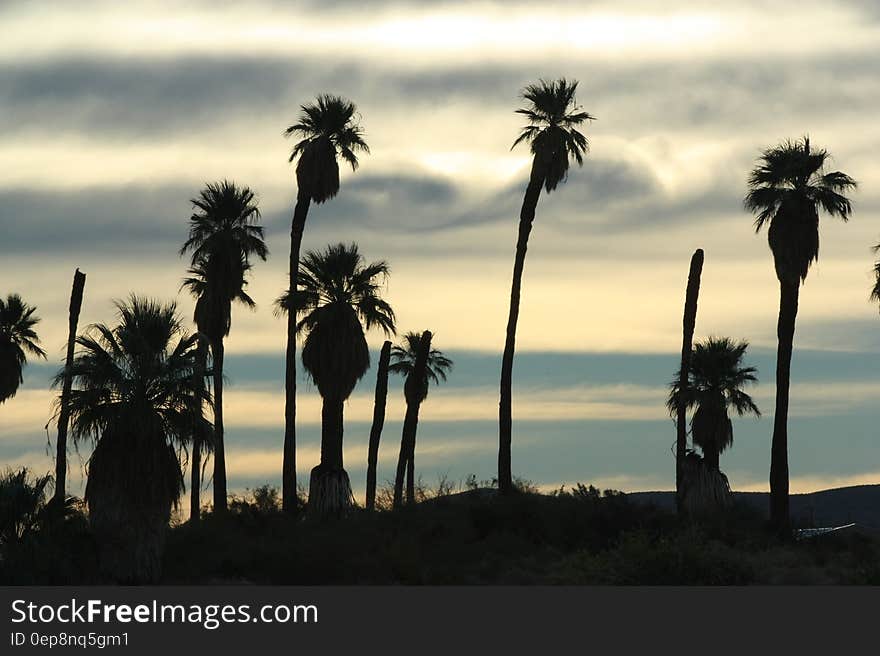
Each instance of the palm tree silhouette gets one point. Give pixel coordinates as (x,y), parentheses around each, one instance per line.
(420,365)
(17,340)
(875,290)
(554,139)
(787,188)
(338,297)
(136,400)
(223,236)
(328,129)
(715,381)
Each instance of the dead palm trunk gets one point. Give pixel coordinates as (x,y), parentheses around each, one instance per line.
(413,391)
(378,423)
(788,306)
(505,420)
(195,504)
(288,474)
(219,448)
(76,297)
(688,324)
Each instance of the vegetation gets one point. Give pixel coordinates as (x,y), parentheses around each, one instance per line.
(328,129)
(339,296)
(714,385)
(787,189)
(554,140)
(138,392)
(420,365)
(17,341)
(223,236)
(137,402)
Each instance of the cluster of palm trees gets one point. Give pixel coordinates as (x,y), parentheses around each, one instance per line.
(141,391)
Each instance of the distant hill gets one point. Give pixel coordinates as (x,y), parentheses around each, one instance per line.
(859,504)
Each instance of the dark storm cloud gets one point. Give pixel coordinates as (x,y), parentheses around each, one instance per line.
(107,220)
(154,97)
(603,196)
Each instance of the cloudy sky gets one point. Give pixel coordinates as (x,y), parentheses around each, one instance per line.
(113,115)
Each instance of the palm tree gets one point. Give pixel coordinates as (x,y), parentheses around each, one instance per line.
(554,139)
(223,235)
(17,340)
(338,297)
(135,398)
(381,396)
(328,129)
(420,365)
(875,291)
(787,189)
(714,386)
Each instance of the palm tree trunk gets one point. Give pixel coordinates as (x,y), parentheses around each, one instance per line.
(288,474)
(688,324)
(329,485)
(410,423)
(195,484)
(219,448)
(505,419)
(76,297)
(413,392)
(788,306)
(378,423)
(195,487)
(411,457)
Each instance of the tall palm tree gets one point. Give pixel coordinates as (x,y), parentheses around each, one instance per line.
(338,298)
(328,129)
(136,400)
(223,236)
(17,340)
(420,365)
(716,377)
(554,140)
(787,189)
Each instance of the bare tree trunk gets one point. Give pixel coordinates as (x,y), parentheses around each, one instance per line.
(76,297)
(288,474)
(505,417)
(788,307)
(688,324)
(413,388)
(378,423)
(219,447)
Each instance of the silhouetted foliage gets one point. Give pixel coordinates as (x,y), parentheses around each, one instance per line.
(715,382)
(327,129)
(136,400)
(17,340)
(788,188)
(338,298)
(420,364)
(554,139)
(223,237)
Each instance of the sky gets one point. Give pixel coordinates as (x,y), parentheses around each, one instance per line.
(114,115)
